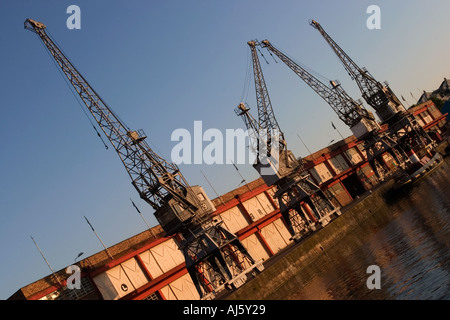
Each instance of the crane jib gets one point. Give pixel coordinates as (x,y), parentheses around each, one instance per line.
(147,170)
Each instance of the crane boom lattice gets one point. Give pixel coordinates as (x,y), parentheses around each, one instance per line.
(302,204)
(183,211)
(378,95)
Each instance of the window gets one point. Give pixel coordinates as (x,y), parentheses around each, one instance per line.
(353,156)
(435,113)
(419,121)
(338,163)
(426,117)
(321,173)
(362,150)
(201,197)
(154,296)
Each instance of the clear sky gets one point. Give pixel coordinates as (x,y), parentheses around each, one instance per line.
(161,65)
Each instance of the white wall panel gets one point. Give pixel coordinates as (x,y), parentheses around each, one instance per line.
(273,237)
(353,156)
(105,287)
(134,273)
(184,289)
(338,164)
(321,173)
(167,255)
(255,248)
(426,117)
(271,193)
(284,232)
(151,264)
(114,283)
(168,293)
(265,203)
(234,219)
(254,208)
(419,120)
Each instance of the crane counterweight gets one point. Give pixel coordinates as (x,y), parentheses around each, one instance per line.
(30,24)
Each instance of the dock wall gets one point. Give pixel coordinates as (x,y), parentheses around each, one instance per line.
(291,262)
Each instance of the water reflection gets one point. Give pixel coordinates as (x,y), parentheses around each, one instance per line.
(408,240)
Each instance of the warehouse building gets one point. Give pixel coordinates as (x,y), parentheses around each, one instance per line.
(431,119)
(342,170)
(149,266)
(442,92)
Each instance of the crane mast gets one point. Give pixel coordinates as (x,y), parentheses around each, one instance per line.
(215,257)
(303,205)
(266,117)
(268,129)
(157,181)
(379,96)
(403,127)
(250,122)
(361,122)
(347,109)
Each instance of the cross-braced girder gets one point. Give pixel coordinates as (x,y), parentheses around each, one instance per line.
(178,206)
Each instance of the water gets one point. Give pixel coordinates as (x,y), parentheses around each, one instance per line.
(409,240)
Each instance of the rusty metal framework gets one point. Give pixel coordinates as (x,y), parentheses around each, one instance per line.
(403,127)
(267,123)
(377,95)
(361,121)
(293,184)
(180,210)
(349,111)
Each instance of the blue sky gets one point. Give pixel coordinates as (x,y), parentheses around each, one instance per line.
(161,65)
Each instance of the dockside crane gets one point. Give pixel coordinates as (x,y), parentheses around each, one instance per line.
(361,122)
(267,121)
(303,205)
(215,258)
(403,126)
(378,95)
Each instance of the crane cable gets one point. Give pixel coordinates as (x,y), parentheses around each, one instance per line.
(248,74)
(308,69)
(270,52)
(263,56)
(77,98)
(247,79)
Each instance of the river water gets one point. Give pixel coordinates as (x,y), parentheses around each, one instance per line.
(409,240)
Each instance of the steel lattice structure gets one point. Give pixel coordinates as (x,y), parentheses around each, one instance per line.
(301,201)
(349,111)
(267,123)
(378,95)
(403,127)
(361,121)
(180,210)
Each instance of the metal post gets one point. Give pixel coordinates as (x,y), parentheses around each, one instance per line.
(106,249)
